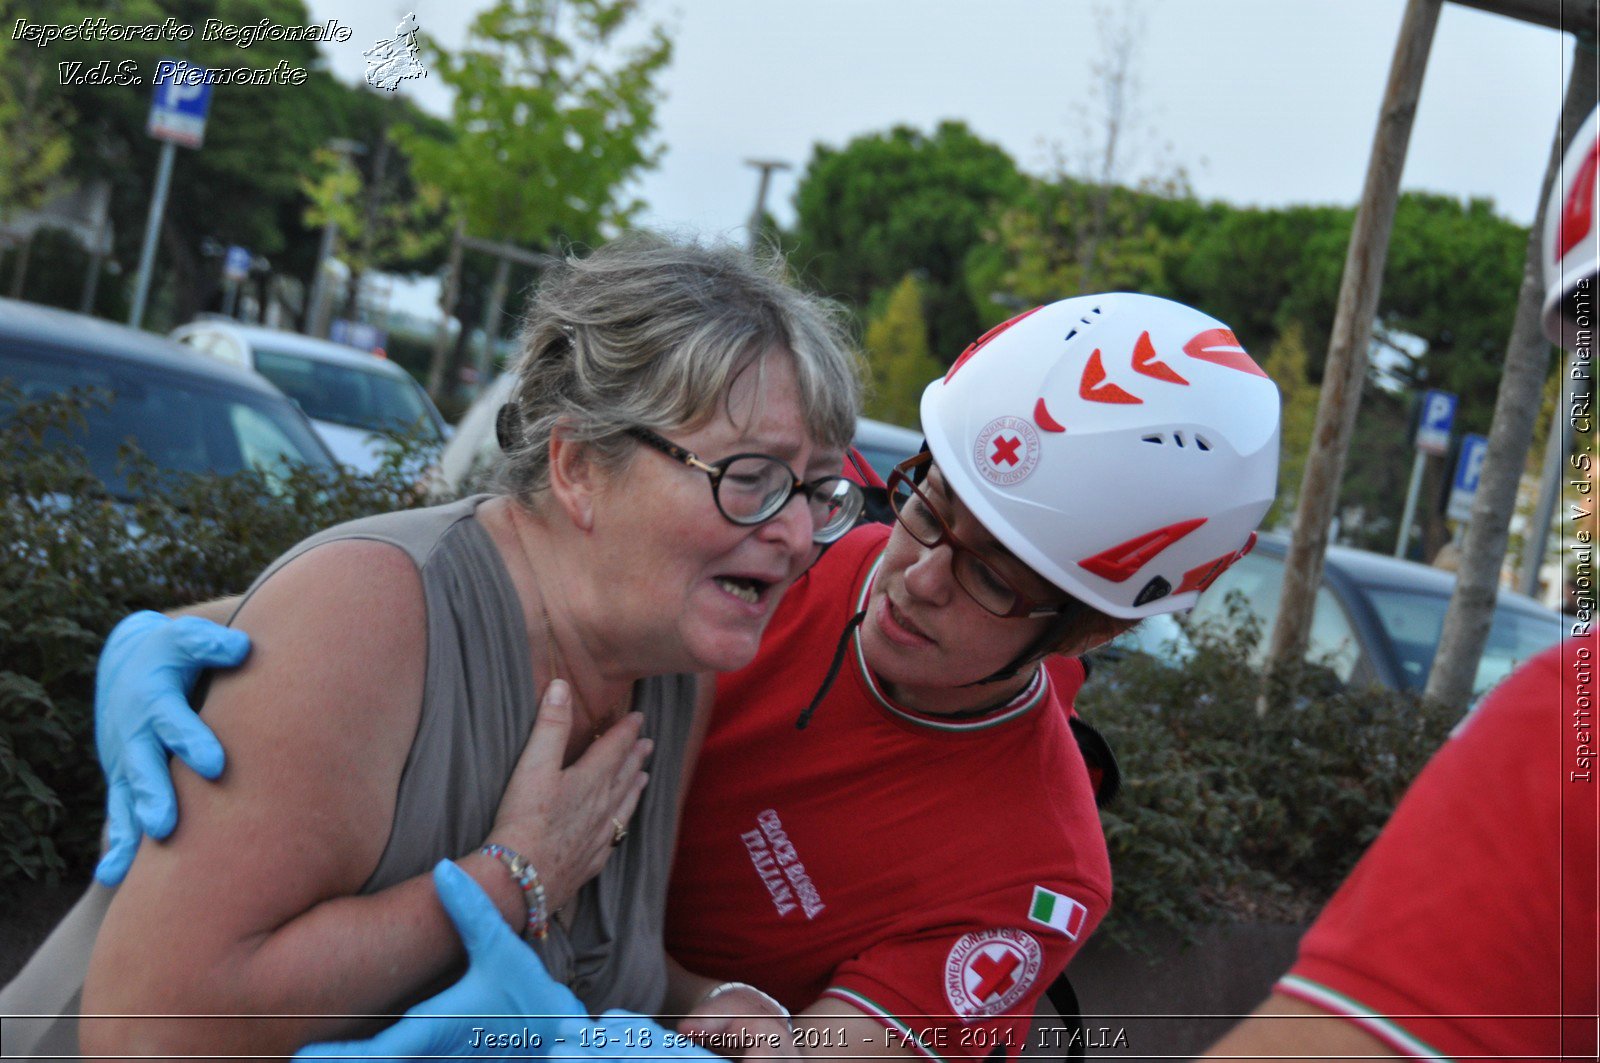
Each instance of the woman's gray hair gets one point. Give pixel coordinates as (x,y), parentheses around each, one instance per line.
(651,332)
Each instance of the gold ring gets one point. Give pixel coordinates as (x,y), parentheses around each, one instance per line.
(618,832)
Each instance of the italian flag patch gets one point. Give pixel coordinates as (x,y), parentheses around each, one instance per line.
(1058,912)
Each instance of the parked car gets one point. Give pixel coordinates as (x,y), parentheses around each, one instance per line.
(1377,619)
(186,414)
(885,445)
(352,397)
(472,453)
(470,458)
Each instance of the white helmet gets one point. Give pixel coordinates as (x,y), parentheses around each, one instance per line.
(1122,446)
(1571,247)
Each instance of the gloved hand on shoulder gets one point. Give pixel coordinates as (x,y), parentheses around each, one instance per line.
(142,714)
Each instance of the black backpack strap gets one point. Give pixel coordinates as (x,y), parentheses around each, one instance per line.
(1101,761)
(1065,1000)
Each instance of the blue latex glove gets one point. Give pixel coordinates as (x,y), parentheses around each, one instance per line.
(142,713)
(506,1003)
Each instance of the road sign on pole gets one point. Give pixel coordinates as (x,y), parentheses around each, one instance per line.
(1434,418)
(180,105)
(177,116)
(1437,415)
(1464,485)
(236,264)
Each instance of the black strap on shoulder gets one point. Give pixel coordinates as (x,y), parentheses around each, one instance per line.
(1102,762)
(1065,1000)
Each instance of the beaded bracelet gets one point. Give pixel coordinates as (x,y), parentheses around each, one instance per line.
(524,875)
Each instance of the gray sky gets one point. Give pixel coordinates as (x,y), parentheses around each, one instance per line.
(1260,101)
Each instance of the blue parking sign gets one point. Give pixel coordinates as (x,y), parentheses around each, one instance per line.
(1434,421)
(236,264)
(180,105)
(1469,468)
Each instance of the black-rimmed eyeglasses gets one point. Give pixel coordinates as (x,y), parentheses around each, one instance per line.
(974,574)
(753,488)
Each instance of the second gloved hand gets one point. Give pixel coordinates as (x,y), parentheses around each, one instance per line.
(141,714)
(506,1003)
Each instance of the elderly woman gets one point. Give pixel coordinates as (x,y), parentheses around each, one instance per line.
(920,854)
(673,403)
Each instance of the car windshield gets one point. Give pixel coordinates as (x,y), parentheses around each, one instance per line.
(882,459)
(181,424)
(346,395)
(1413,622)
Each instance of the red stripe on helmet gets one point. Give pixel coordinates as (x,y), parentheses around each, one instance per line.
(1146,361)
(977,345)
(1124,559)
(1577,213)
(1202,576)
(1042,418)
(1221,347)
(1096,388)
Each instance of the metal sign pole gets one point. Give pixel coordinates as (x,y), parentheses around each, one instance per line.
(152,226)
(1411,504)
(1556,449)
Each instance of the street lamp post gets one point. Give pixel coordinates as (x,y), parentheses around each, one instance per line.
(766,166)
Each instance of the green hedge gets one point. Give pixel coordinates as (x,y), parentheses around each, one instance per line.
(74,561)
(1230,814)
(1223,813)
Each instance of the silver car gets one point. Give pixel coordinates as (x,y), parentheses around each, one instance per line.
(353,398)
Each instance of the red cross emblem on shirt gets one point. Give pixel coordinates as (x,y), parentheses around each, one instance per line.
(1005,450)
(995,974)
(991,971)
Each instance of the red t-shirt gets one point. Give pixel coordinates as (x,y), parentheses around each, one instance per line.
(935,873)
(1469,928)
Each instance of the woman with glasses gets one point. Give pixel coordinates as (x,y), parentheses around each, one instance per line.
(487,681)
(891,831)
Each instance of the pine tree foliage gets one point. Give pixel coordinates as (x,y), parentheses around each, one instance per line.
(898,357)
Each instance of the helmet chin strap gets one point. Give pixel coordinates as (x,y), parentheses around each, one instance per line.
(1037,650)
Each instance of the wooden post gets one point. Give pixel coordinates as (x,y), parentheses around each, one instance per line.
(1346,367)
(1483,550)
(491,321)
(447,306)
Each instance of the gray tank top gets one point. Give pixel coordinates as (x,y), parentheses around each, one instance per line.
(478,707)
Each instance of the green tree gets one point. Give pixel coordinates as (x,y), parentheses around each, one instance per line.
(32,146)
(1451,281)
(377,227)
(1265,271)
(1067,237)
(898,358)
(1286,363)
(889,204)
(552,117)
(244,186)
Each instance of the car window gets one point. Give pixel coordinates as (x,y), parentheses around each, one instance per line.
(346,395)
(881,459)
(1413,622)
(263,443)
(182,425)
(1160,636)
(1256,581)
